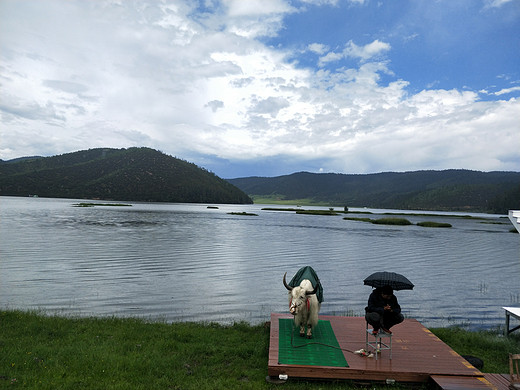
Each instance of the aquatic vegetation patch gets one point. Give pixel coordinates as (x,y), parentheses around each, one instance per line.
(358,219)
(280,209)
(101,204)
(317,212)
(398,221)
(392,221)
(434,224)
(436,215)
(330,211)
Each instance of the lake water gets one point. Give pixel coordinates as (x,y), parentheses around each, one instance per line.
(188,262)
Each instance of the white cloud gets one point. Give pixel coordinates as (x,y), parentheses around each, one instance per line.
(330,2)
(86,74)
(272,106)
(330,57)
(255,18)
(496,3)
(364,53)
(507,91)
(256,7)
(214,105)
(318,48)
(368,51)
(65,86)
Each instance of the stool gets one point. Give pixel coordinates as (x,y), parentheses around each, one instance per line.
(378,345)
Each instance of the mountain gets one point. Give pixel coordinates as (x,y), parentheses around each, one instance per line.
(134,174)
(15,160)
(449,190)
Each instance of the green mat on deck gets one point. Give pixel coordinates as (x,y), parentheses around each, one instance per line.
(321,350)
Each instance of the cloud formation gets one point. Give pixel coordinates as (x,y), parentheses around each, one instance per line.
(202,81)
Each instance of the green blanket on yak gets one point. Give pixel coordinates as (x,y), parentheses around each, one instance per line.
(310,274)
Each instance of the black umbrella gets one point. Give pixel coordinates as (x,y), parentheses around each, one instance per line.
(392,279)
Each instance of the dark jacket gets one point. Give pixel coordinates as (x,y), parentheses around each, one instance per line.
(377,303)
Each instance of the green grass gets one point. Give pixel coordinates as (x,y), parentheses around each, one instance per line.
(53,352)
(490,346)
(280,200)
(41,352)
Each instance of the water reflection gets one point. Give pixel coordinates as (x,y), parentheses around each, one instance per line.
(190,263)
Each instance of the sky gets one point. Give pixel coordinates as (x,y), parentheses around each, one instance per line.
(266,87)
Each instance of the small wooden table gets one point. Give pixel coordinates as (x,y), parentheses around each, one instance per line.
(511,311)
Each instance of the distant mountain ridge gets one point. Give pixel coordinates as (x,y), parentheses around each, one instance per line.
(144,174)
(134,174)
(449,190)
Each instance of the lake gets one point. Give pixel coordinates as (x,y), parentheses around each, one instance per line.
(188,262)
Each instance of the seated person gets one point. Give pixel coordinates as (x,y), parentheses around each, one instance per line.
(383,310)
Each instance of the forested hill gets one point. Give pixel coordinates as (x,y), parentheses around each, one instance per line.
(449,190)
(134,174)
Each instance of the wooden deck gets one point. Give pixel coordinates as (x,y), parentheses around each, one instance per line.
(417,356)
(487,381)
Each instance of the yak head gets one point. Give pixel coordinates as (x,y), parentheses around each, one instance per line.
(298,296)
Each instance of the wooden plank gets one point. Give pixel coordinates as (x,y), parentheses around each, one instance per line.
(416,354)
(488,381)
(501,381)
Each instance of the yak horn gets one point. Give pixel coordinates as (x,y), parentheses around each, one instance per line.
(315,289)
(285,283)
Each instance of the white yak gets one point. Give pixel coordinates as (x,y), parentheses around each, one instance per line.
(304,305)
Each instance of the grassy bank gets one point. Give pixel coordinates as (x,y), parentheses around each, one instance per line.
(492,347)
(278,200)
(50,352)
(98,353)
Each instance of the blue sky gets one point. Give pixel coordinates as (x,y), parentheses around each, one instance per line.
(431,44)
(266,87)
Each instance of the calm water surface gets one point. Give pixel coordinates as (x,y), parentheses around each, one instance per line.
(188,262)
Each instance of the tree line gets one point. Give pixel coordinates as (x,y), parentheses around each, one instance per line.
(448,190)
